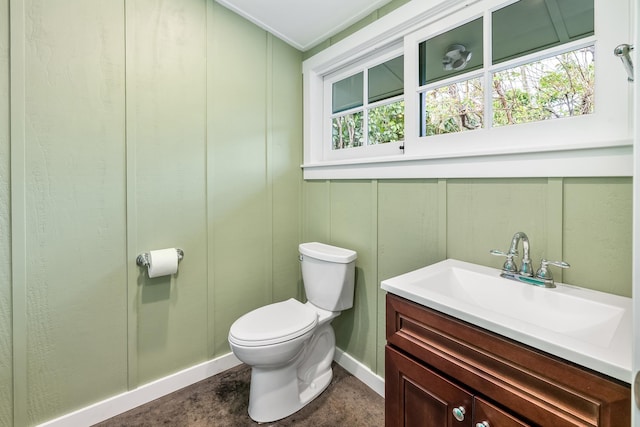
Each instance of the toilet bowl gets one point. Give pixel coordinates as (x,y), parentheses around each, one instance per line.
(289,344)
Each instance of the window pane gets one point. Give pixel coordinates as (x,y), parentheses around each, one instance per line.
(347,93)
(386,80)
(386,123)
(529,26)
(454,108)
(347,131)
(556,87)
(433,53)
(578,17)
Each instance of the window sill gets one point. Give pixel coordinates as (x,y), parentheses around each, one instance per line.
(615,160)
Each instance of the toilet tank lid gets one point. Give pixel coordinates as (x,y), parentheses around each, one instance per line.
(329,253)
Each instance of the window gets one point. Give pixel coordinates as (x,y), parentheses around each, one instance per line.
(366,109)
(550,88)
(457,106)
(544,88)
(495,88)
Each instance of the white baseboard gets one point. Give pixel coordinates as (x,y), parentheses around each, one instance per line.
(360,371)
(126,401)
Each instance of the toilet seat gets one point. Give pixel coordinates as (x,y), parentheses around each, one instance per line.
(273,323)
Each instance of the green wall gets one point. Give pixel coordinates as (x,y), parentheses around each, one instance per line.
(6,347)
(400,225)
(124,128)
(137,126)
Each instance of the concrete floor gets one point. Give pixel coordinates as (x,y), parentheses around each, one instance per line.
(222,400)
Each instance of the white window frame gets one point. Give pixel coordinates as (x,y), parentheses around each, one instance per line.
(389,148)
(598,144)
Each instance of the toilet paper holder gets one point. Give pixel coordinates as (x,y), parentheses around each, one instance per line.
(143,259)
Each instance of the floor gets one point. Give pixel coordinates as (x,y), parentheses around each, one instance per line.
(222,401)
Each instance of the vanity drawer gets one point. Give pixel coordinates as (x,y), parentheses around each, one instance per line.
(538,387)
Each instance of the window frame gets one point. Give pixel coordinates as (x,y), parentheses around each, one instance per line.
(363,65)
(586,153)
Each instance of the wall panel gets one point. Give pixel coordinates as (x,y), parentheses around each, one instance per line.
(316,224)
(408,224)
(484,214)
(239,216)
(6,346)
(285,156)
(597,233)
(74,209)
(353,223)
(167,130)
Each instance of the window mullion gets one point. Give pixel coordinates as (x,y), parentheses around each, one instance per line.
(412,108)
(488,76)
(365,106)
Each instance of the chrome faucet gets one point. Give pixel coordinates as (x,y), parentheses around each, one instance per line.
(543,276)
(525,268)
(509,264)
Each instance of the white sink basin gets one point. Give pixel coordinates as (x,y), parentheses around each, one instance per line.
(590,328)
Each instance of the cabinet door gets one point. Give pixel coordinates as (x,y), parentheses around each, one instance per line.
(415,396)
(487,415)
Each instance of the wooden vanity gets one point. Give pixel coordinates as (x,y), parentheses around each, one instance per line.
(441,371)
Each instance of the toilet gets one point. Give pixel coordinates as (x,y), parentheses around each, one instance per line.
(289,344)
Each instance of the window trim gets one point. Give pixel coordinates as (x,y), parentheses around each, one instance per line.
(363,66)
(610,157)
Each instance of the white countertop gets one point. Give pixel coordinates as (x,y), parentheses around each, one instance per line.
(590,328)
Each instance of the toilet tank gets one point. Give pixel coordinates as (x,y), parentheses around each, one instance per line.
(328,274)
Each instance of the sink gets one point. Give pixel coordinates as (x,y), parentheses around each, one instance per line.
(590,328)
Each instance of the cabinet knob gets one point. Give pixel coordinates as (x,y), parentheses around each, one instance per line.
(458,413)
(483,424)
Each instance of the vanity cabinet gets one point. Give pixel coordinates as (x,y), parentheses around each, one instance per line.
(441,371)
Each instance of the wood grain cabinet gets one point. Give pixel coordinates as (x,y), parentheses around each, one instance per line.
(442,372)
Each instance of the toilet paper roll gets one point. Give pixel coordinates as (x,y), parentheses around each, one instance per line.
(163,262)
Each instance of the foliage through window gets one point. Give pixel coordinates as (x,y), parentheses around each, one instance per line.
(493,88)
(347,131)
(547,88)
(561,86)
(369,111)
(456,107)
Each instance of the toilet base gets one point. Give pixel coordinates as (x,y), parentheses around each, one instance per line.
(278,393)
(275,401)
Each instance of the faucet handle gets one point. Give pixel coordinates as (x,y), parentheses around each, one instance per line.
(544,272)
(509,263)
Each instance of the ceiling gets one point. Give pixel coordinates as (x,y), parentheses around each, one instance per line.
(303,23)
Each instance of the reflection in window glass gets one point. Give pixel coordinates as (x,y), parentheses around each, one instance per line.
(371,113)
(434,52)
(578,17)
(528,26)
(560,86)
(386,123)
(453,108)
(347,93)
(347,131)
(386,80)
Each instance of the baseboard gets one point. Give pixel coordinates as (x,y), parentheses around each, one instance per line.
(126,401)
(360,371)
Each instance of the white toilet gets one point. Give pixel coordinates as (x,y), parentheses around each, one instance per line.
(290,345)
